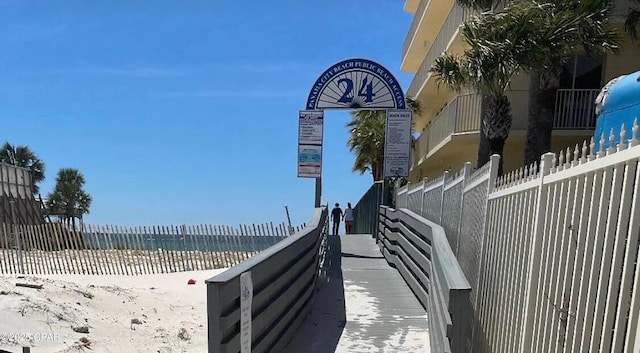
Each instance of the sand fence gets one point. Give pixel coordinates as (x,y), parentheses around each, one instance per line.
(55,248)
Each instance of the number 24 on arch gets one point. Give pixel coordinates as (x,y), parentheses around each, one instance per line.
(366,90)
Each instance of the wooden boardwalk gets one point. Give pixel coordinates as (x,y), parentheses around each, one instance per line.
(362,305)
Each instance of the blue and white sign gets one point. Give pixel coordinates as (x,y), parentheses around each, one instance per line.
(397,144)
(246,299)
(356,84)
(309,161)
(310,127)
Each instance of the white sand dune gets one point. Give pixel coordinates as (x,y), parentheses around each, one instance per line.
(171,314)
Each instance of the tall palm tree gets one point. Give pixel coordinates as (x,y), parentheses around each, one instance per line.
(497,43)
(367,137)
(22,156)
(570,28)
(565,29)
(69,200)
(633,20)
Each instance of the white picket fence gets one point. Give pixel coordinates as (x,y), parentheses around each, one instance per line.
(550,250)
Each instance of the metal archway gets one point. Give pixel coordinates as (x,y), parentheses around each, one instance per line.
(350,84)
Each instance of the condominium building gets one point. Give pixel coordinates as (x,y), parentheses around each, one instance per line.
(449,123)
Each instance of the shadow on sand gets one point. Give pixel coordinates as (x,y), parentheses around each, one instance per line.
(321,331)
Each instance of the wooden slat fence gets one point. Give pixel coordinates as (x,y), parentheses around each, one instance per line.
(55,248)
(550,250)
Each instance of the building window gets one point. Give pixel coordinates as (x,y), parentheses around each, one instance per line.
(582,72)
(580,83)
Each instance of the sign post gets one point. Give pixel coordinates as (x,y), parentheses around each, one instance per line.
(348,85)
(310,134)
(397,144)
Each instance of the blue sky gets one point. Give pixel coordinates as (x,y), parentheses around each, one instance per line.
(183,112)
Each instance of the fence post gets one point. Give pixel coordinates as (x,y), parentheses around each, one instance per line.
(466,173)
(534,260)
(424,184)
(494,162)
(16,236)
(444,183)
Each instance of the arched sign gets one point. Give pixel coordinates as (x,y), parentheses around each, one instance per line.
(356,84)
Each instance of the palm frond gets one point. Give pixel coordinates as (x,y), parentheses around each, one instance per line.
(24,157)
(68,198)
(631,22)
(450,70)
(414,105)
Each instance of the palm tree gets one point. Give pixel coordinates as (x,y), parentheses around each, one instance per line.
(22,156)
(570,27)
(367,136)
(565,29)
(69,200)
(632,20)
(497,43)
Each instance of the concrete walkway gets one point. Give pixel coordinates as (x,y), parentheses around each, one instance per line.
(363,305)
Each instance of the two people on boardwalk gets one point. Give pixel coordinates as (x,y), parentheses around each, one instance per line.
(347,216)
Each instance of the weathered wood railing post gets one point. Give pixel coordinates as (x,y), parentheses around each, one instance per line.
(534,260)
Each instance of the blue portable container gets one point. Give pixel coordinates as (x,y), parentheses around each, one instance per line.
(621,105)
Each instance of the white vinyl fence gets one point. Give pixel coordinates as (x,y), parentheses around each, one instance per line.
(550,250)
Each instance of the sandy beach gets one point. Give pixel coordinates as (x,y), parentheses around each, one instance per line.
(157,313)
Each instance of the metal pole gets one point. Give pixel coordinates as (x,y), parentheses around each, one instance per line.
(318,191)
(286,209)
(16,236)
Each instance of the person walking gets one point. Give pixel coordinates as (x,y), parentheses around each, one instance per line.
(336,215)
(348,218)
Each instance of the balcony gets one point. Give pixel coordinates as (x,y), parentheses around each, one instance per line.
(575,109)
(574,114)
(411,6)
(445,36)
(429,17)
(461,115)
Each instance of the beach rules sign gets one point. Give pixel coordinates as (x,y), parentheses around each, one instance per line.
(397,143)
(246,297)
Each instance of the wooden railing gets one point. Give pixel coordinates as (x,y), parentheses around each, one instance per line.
(418,248)
(283,281)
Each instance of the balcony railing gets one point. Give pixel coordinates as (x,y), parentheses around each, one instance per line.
(456,17)
(462,114)
(422,8)
(575,109)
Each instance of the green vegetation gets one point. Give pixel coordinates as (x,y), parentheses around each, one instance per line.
(68,201)
(632,20)
(22,156)
(366,140)
(524,36)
